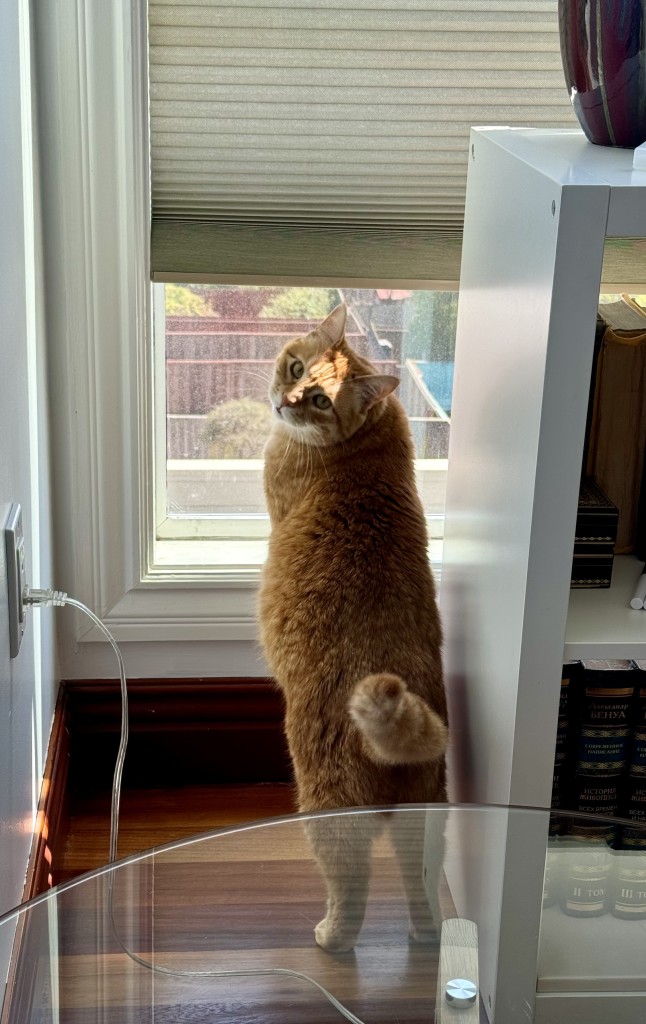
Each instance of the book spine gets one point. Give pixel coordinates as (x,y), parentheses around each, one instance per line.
(618,432)
(585,878)
(605,710)
(598,338)
(629,883)
(628,889)
(563,757)
(636,797)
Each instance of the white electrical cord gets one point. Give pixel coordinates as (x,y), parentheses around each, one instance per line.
(45,598)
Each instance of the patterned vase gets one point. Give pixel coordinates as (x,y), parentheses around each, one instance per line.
(603,47)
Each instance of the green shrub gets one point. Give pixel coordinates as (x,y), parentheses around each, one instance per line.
(180,301)
(238,429)
(301,304)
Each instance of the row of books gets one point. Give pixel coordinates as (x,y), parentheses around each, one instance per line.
(615,443)
(600,760)
(600,771)
(587,878)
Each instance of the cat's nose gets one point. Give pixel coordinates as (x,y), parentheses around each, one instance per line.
(284,401)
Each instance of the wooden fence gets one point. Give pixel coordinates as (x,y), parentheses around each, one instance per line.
(211,361)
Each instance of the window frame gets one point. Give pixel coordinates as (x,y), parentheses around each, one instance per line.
(227,543)
(96,200)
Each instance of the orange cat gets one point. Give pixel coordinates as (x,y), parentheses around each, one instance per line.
(348,616)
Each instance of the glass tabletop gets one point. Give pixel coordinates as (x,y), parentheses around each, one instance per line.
(407,914)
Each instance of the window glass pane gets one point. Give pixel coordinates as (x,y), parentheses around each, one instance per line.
(220,346)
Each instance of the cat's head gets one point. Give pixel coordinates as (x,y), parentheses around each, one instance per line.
(322,391)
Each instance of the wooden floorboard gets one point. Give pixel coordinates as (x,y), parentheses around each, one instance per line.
(152,817)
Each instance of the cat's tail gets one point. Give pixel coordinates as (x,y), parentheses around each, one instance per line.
(397,726)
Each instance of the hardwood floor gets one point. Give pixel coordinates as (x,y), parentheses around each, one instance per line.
(245,901)
(239,908)
(152,817)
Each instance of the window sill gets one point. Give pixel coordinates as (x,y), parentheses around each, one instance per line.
(220,565)
(215,559)
(187,599)
(212,561)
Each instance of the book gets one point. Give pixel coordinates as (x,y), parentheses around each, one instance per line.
(563,756)
(598,338)
(594,538)
(628,884)
(616,441)
(629,875)
(585,877)
(604,709)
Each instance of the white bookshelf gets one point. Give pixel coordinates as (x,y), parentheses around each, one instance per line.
(540,205)
(581,954)
(601,624)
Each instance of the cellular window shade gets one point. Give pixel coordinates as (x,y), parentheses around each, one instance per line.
(292,138)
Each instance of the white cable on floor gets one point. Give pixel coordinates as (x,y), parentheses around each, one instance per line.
(44,598)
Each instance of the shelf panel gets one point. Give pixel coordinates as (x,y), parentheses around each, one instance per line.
(601,624)
(598,954)
(567,158)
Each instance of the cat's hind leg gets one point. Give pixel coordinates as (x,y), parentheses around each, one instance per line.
(342,846)
(420,862)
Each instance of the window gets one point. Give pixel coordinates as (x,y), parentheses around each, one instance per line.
(215,350)
(224,136)
(295,144)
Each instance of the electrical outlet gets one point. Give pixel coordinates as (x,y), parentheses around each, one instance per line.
(16,577)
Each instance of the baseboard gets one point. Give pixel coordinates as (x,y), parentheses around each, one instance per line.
(50,832)
(181,731)
(52,819)
(28,945)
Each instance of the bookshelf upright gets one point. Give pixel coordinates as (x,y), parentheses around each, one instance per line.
(540,205)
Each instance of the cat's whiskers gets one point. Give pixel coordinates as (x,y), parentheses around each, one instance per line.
(310,463)
(320,453)
(323,464)
(284,458)
(266,378)
(308,458)
(300,455)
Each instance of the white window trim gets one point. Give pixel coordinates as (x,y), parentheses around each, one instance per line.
(215,557)
(102,392)
(240,536)
(99,307)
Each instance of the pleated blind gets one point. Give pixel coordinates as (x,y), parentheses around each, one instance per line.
(317,138)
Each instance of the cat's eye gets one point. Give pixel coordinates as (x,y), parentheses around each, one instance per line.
(322,401)
(297,369)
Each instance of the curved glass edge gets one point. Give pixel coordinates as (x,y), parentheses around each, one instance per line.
(155,851)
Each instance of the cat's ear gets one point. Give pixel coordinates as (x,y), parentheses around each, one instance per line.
(333,327)
(375,388)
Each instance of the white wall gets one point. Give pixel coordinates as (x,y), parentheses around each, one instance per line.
(28,682)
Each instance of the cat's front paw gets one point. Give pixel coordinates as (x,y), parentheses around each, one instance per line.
(423,935)
(332,941)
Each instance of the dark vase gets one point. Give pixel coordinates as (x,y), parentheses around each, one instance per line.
(603,47)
